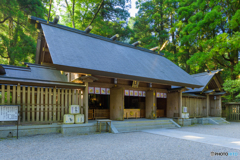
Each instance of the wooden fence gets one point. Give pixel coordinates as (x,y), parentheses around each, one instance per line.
(233,111)
(98,113)
(40,104)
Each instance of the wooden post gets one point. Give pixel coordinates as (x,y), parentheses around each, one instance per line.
(8,94)
(50,104)
(14,95)
(3,94)
(19,98)
(180,104)
(85,102)
(208,104)
(41,105)
(66,102)
(33,104)
(80,100)
(24,103)
(46,104)
(38,101)
(69,99)
(54,104)
(28,104)
(62,103)
(58,104)
(220,106)
(73,96)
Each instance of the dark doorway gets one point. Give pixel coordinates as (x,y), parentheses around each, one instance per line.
(134,102)
(161,107)
(97,101)
(131,102)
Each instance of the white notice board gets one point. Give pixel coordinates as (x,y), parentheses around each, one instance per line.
(8,113)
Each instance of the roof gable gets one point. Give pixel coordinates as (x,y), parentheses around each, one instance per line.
(211,79)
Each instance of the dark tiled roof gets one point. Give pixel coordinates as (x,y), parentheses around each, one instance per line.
(204,79)
(98,55)
(35,75)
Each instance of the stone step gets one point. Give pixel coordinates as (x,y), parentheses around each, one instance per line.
(139,128)
(141,124)
(153,121)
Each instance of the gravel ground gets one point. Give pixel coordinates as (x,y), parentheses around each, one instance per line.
(226,130)
(134,145)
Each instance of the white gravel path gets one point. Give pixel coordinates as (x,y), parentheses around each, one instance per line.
(135,145)
(231,130)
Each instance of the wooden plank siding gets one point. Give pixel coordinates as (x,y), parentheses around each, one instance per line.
(195,106)
(40,104)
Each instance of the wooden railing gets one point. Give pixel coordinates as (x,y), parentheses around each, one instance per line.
(101,113)
(131,113)
(142,113)
(160,113)
(90,114)
(40,104)
(98,113)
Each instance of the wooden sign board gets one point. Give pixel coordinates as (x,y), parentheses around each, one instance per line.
(135,84)
(9,113)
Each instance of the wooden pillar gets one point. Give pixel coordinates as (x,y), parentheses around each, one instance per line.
(180,104)
(117,103)
(151,107)
(208,105)
(85,102)
(220,106)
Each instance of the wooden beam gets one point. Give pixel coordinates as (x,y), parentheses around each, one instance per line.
(43,52)
(217,83)
(39,43)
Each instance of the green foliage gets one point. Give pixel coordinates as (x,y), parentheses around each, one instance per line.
(17,36)
(110,20)
(233,88)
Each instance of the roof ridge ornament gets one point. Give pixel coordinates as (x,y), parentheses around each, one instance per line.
(56,19)
(88,29)
(2,70)
(136,43)
(114,37)
(154,49)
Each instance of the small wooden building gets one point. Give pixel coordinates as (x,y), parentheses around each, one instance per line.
(121,80)
(205,101)
(43,93)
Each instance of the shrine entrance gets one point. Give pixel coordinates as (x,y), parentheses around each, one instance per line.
(134,104)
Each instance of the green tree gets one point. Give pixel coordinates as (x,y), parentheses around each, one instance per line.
(110,20)
(213,29)
(17,36)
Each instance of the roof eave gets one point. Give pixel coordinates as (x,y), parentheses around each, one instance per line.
(123,76)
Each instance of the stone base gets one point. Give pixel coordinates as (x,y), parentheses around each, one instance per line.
(29,130)
(184,122)
(79,129)
(65,129)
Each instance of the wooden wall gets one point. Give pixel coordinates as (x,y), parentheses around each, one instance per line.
(40,104)
(196,106)
(215,106)
(173,104)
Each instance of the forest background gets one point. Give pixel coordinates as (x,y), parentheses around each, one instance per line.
(202,34)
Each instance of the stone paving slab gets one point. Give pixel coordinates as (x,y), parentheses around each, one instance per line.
(197,137)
